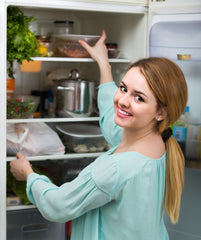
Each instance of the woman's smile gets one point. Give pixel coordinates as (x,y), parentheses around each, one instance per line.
(122,113)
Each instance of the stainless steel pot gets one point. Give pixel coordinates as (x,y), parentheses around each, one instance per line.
(74,97)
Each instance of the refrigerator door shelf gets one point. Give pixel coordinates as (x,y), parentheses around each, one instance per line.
(173,38)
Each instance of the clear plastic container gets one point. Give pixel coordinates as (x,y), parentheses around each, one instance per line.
(29,224)
(63,27)
(68,45)
(35,231)
(113,51)
(22,106)
(82,137)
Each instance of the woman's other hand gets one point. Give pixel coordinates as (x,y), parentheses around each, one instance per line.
(21,167)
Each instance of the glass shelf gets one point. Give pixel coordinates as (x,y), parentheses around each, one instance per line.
(59,157)
(63,59)
(35,120)
(20,207)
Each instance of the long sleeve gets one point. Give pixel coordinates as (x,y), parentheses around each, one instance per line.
(91,189)
(111,131)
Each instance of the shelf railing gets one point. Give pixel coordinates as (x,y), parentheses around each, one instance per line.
(59,157)
(68,59)
(35,120)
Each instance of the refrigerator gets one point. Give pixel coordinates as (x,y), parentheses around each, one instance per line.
(140,29)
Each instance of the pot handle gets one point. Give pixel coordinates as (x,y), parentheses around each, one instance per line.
(65,88)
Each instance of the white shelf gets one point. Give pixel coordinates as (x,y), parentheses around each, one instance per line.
(37,120)
(63,59)
(59,157)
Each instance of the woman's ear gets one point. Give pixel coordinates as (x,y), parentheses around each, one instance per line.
(161,114)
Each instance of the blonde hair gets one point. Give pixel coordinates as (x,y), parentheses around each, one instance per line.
(168,84)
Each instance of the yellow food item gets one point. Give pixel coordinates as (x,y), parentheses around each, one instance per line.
(183,56)
(42,49)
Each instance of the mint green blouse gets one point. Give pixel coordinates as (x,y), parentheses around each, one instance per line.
(118,196)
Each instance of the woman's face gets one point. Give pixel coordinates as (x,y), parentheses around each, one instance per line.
(134,102)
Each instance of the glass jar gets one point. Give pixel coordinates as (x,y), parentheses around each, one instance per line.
(63,27)
(113,51)
(44,46)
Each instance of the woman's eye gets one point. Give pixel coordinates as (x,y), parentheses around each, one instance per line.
(139,99)
(123,89)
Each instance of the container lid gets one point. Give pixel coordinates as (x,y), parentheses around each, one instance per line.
(80,129)
(77,37)
(111,45)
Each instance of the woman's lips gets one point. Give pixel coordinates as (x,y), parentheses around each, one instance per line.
(122,113)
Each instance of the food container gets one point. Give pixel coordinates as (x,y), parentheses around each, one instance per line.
(24,224)
(21,107)
(44,46)
(35,231)
(113,51)
(183,56)
(63,27)
(74,96)
(82,137)
(68,45)
(10,87)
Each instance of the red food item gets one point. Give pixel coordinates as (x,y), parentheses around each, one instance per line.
(76,53)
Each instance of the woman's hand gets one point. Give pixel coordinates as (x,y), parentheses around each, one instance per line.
(21,167)
(99,51)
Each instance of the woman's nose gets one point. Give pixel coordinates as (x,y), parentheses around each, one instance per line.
(124,100)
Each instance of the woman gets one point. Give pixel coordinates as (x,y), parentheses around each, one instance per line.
(123,193)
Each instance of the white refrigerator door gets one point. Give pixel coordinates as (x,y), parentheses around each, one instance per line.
(169,35)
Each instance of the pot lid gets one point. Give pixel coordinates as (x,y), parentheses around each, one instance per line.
(74,75)
(80,129)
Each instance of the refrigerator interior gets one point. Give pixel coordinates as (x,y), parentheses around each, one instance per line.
(120,28)
(169,36)
(117,26)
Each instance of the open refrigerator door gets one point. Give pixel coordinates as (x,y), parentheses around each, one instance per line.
(177,35)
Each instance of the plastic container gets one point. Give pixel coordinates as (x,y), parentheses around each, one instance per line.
(68,45)
(21,107)
(113,51)
(180,129)
(82,137)
(35,231)
(29,224)
(10,87)
(63,27)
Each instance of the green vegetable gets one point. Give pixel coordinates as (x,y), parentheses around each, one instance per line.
(18,108)
(21,41)
(19,187)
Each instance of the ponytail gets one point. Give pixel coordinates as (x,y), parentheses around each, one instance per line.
(174,180)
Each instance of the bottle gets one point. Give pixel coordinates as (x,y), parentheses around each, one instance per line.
(50,103)
(180,129)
